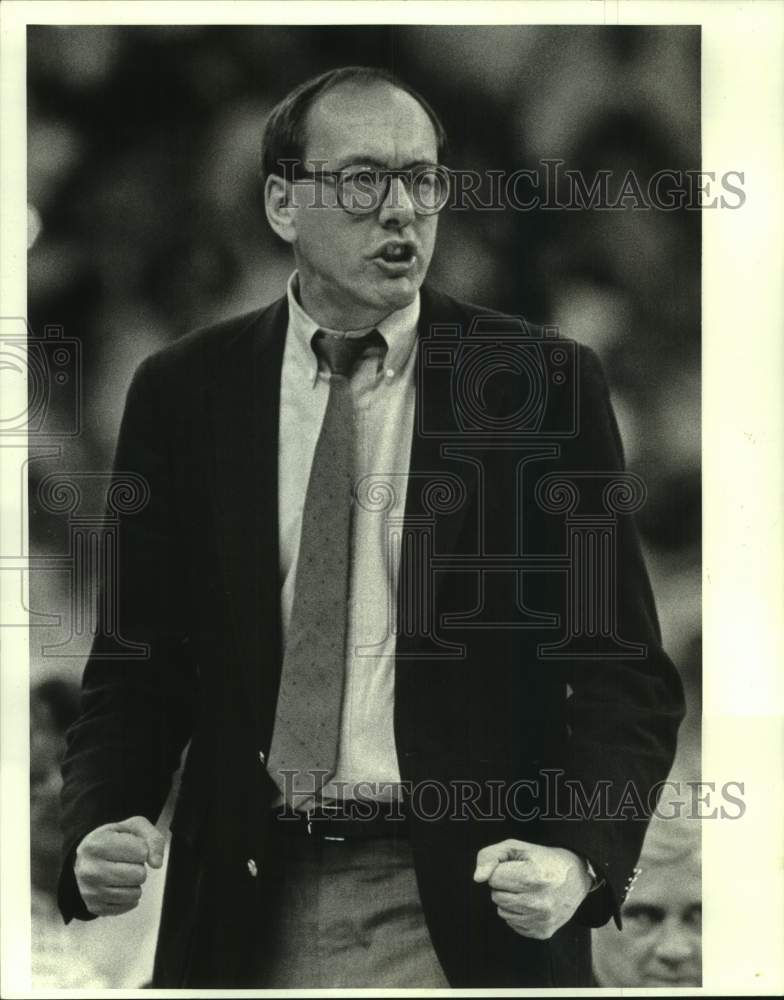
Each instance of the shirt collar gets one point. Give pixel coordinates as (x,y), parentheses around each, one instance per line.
(398,329)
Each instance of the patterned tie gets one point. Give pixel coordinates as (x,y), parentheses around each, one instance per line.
(307,718)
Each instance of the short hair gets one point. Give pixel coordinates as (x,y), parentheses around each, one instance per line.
(672,836)
(284,134)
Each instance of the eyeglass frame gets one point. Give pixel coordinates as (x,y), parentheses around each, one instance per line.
(388,174)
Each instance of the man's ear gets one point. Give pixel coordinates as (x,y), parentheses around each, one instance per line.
(280,208)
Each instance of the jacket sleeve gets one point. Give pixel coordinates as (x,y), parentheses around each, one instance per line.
(138,688)
(624,711)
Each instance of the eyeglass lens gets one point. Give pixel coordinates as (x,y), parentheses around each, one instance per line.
(364,190)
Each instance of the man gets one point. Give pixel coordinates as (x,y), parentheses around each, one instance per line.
(350,577)
(661,941)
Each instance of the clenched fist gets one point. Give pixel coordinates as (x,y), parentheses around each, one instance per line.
(535,889)
(111,862)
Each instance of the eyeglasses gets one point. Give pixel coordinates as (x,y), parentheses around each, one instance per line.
(361,190)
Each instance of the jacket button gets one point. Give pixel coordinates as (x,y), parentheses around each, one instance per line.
(262,757)
(253,868)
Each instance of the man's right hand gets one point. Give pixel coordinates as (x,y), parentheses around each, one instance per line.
(110,865)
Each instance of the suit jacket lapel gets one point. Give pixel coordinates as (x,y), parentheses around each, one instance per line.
(245,408)
(440,489)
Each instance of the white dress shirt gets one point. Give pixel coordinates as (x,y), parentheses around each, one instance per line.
(384,393)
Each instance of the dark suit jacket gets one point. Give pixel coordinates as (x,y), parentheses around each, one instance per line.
(199,586)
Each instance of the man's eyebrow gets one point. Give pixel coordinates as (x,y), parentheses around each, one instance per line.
(372,161)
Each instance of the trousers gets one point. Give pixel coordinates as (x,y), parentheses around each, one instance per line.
(347,914)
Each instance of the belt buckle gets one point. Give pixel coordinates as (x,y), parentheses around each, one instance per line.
(327,807)
(310,811)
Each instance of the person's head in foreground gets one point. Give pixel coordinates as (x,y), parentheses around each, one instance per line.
(353,183)
(660,944)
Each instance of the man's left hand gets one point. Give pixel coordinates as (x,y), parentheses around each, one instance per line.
(536,889)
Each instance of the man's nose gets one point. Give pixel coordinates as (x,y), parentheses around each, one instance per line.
(397,208)
(675,943)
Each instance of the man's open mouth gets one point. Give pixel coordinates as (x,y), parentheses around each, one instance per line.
(397,253)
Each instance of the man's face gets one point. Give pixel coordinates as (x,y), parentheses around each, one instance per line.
(660,944)
(345,282)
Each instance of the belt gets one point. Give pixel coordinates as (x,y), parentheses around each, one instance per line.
(348,820)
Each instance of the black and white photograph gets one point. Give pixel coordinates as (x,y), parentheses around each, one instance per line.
(361,456)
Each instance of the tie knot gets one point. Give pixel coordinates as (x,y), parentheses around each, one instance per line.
(342,353)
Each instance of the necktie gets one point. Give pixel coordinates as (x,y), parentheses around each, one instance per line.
(304,749)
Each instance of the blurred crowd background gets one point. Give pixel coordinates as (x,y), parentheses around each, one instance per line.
(146,220)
